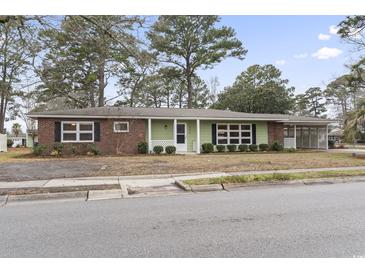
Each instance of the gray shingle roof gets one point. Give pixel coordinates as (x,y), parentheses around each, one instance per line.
(105,112)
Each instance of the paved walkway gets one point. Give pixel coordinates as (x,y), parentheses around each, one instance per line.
(147,181)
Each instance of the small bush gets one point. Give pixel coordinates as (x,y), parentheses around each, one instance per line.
(290,150)
(39,149)
(207,148)
(243,148)
(170,149)
(93,149)
(58,147)
(253,147)
(9,143)
(73,149)
(263,147)
(331,144)
(276,146)
(231,148)
(220,148)
(54,153)
(158,149)
(142,147)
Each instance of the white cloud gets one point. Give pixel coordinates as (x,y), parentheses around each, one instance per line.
(280,62)
(300,55)
(324,37)
(327,53)
(333,29)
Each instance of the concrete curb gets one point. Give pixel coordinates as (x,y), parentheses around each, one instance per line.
(318,181)
(182,185)
(80,195)
(205,188)
(3,200)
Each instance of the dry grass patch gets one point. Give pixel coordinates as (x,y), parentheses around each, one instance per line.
(275,177)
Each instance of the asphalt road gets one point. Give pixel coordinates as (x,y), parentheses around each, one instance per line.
(300,221)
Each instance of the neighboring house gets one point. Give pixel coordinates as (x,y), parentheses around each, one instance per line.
(335,135)
(31,138)
(3,143)
(19,140)
(118,130)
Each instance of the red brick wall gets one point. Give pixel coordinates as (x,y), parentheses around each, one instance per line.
(275,132)
(110,142)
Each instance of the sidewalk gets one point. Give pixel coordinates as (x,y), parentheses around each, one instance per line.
(95,188)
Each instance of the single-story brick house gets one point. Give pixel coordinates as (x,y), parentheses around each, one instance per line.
(118,130)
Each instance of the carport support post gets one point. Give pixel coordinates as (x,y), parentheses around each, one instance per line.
(326,137)
(295,136)
(198,136)
(149,135)
(174,132)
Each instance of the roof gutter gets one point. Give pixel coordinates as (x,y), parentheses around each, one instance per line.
(152,117)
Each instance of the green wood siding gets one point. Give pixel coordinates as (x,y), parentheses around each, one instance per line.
(163,130)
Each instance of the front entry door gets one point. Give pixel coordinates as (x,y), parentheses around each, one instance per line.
(181,135)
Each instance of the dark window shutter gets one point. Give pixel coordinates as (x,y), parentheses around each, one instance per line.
(214,134)
(57,132)
(97,131)
(254,134)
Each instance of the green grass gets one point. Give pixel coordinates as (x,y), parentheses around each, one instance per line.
(275,177)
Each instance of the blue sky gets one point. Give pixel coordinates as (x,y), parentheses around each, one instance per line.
(289,43)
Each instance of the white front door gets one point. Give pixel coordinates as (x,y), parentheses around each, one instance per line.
(181,137)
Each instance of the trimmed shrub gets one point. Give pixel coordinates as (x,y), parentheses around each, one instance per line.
(92,149)
(9,143)
(158,149)
(220,148)
(243,148)
(276,146)
(231,148)
(39,149)
(331,144)
(170,149)
(263,147)
(253,147)
(142,147)
(207,148)
(58,148)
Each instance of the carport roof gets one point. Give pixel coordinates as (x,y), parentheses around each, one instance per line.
(172,113)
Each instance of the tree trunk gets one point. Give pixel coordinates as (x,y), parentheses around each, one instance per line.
(190,90)
(101,76)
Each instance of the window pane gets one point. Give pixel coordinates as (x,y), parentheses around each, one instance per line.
(69,136)
(234,134)
(180,128)
(222,134)
(222,141)
(246,134)
(245,141)
(121,126)
(222,127)
(86,136)
(234,127)
(180,139)
(234,141)
(245,127)
(86,127)
(69,126)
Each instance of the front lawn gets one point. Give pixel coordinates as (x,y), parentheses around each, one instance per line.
(275,177)
(15,154)
(19,165)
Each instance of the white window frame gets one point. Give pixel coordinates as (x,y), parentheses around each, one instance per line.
(77,131)
(120,122)
(240,130)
